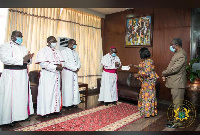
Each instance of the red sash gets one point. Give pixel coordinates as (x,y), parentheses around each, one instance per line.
(110,70)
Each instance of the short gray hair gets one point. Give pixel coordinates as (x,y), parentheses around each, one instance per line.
(177,41)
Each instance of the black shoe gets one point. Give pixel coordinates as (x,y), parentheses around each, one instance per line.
(68,108)
(57,113)
(45,116)
(12,124)
(106,104)
(169,122)
(28,119)
(171,126)
(75,106)
(115,102)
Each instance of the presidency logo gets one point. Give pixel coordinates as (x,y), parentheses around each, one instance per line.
(184,115)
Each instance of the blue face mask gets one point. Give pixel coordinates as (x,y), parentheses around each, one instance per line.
(172,49)
(113,54)
(18,40)
(74,46)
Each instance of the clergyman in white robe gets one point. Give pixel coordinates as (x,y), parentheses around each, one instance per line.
(49,94)
(70,88)
(108,89)
(15,94)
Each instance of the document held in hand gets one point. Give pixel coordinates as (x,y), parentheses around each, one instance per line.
(125,67)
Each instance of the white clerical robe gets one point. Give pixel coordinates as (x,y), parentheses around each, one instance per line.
(70,89)
(108,89)
(15,94)
(49,94)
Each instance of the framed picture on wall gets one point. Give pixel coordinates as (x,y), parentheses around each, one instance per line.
(138,31)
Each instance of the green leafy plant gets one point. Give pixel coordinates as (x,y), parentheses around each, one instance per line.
(192,75)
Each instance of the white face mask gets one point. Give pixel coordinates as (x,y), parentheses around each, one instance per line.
(53,45)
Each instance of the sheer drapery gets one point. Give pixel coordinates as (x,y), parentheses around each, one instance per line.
(86,30)
(36,24)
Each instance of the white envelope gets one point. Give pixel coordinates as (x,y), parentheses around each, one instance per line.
(125,68)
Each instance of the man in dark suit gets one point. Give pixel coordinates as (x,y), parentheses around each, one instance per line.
(175,75)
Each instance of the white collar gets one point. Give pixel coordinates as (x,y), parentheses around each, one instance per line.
(13,43)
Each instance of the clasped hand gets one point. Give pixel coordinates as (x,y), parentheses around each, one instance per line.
(59,67)
(163,78)
(77,70)
(28,57)
(117,64)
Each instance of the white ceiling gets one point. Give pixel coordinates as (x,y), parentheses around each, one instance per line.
(106,11)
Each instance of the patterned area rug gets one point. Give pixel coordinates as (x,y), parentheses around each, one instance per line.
(102,118)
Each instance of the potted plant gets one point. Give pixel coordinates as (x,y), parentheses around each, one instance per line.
(191,74)
(192,92)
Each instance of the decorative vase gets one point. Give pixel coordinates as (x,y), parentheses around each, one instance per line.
(192,93)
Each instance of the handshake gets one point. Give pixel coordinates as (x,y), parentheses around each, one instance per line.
(135,66)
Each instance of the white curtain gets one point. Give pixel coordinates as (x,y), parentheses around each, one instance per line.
(86,30)
(36,24)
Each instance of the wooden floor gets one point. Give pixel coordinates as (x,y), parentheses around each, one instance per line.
(156,123)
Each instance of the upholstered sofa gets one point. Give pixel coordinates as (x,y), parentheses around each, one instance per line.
(34,82)
(128,86)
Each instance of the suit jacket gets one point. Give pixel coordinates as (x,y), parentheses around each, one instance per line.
(176,70)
